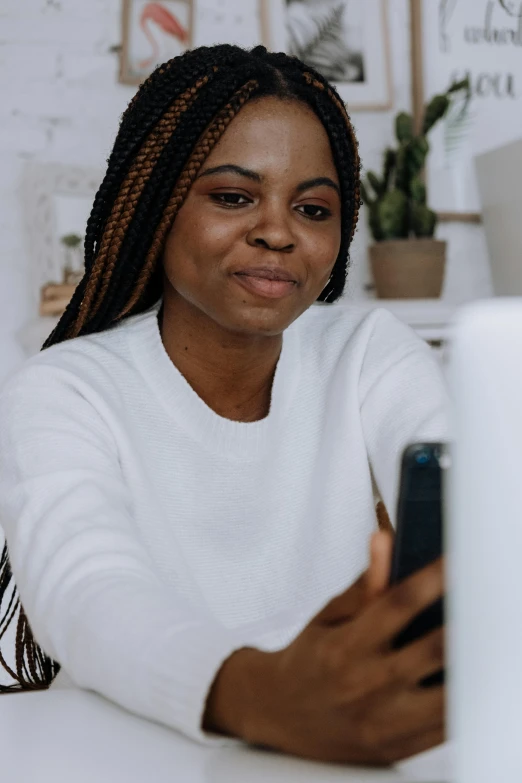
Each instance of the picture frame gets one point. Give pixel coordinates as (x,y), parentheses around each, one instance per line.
(57,200)
(153,33)
(452,39)
(322,33)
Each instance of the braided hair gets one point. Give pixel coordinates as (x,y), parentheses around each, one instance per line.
(167,132)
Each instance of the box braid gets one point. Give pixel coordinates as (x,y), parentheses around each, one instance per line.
(166,134)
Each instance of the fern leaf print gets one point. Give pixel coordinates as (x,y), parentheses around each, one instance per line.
(326,34)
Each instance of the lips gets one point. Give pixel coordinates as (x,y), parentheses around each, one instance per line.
(268,273)
(268,282)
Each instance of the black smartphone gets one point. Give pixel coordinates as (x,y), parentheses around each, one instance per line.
(419,534)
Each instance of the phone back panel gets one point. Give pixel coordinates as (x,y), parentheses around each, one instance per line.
(419,538)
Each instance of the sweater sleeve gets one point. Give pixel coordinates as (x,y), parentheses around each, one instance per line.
(86,583)
(403,400)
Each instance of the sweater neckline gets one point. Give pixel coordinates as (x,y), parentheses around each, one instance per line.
(244,440)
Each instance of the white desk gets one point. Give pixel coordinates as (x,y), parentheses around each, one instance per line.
(66,736)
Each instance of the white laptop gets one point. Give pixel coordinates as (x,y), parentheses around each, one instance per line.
(484,541)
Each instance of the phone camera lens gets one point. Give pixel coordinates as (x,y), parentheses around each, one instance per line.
(422,458)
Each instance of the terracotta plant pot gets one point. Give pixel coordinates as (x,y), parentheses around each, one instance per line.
(408,268)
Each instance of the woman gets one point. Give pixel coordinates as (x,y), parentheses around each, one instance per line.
(188,471)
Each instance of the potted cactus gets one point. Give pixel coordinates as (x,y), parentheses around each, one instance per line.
(407,262)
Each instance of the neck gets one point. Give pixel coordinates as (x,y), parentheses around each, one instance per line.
(231,372)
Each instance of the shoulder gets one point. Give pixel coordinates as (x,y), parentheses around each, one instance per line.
(351,327)
(364,349)
(82,370)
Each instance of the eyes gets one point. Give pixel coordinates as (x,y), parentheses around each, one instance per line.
(231,200)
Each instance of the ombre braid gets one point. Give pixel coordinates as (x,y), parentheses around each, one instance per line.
(166,134)
(128,197)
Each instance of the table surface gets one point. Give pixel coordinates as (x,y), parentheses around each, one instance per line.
(71,735)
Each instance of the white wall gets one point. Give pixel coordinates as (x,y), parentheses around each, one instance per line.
(61,102)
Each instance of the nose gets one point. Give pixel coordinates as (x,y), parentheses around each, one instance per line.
(272,230)
(261,242)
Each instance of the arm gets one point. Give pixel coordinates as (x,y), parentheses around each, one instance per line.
(86,583)
(403,400)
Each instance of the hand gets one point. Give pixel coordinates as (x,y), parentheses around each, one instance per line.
(339,692)
(240,676)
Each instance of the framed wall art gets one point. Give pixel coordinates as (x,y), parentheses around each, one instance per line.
(152,34)
(155,32)
(347,41)
(452,39)
(57,201)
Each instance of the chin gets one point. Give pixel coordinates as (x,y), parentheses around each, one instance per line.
(267,323)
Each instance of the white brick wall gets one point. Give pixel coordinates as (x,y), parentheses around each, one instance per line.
(61,102)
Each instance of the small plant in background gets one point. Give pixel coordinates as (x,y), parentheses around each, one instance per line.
(54,297)
(73,269)
(398,205)
(71,240)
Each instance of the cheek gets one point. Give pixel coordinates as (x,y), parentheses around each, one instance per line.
(215,235)
(323,249)
(197,240)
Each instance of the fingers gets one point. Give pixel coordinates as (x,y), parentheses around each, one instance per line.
(369,585)
(398,669)
(384,618)
(424,657)
(411,664)
(378,574)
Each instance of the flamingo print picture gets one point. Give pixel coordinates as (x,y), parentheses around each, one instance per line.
(156,33)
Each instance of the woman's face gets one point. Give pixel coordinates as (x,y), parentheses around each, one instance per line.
(256,240)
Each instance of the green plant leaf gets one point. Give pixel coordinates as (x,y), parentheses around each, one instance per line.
(71,240)
(418,191)
(423,220)
(417,152)
(390,161)
(435,111)
(366,195)
(404,127)
(376,183)
(463,85)
(401,169)
(389,216)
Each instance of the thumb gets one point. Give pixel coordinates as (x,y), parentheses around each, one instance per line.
(378,574)
(368,586)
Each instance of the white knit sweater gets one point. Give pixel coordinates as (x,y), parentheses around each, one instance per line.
(150,537)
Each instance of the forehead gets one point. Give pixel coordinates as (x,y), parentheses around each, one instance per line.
(276,134)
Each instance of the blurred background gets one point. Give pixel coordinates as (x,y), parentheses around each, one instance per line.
(440,224)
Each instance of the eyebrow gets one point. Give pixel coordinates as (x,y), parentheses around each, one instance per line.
(314,183)
(231,168)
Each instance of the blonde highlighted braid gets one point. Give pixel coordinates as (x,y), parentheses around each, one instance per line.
(128,197)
